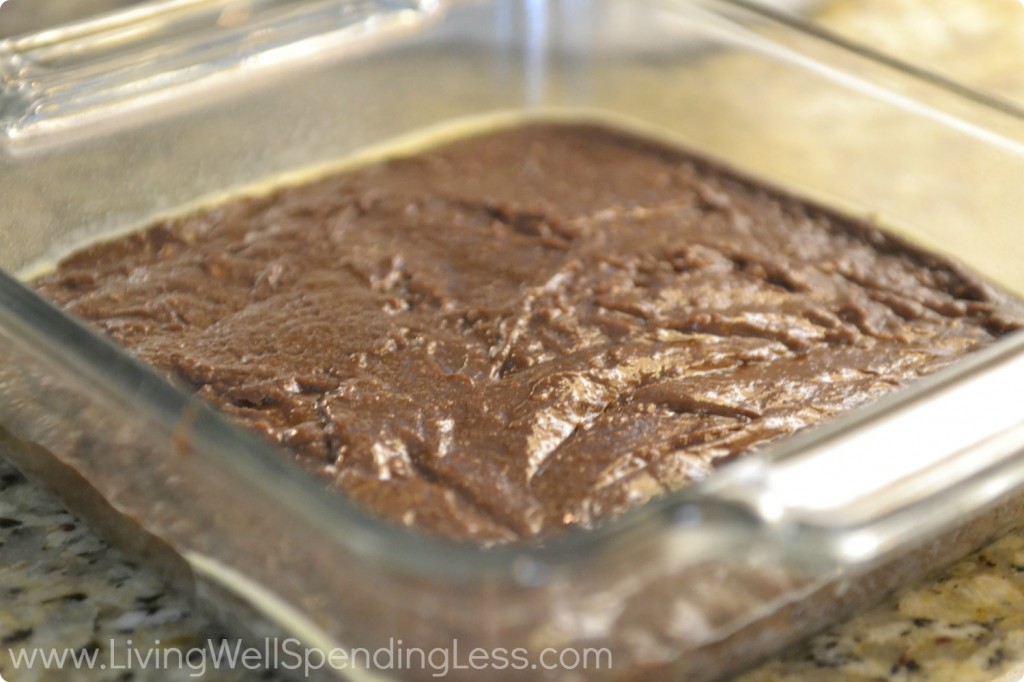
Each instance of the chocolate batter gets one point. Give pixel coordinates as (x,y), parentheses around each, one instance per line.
(528,329)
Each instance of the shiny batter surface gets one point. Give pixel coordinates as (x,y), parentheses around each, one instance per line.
(528,329)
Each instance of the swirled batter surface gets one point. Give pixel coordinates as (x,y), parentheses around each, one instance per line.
(529,329)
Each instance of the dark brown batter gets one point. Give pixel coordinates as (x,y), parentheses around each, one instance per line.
(528,329)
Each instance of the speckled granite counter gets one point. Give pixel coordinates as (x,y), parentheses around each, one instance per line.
(966,624)
(62,587)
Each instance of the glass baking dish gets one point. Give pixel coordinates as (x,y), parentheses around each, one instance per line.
(112,122)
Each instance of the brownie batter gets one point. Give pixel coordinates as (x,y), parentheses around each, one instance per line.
(528,329)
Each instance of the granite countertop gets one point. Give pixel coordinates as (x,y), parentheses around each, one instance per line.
(60,586)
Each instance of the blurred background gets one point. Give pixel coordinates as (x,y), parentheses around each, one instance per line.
(977,42)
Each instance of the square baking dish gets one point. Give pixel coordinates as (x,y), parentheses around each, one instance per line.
(112,122)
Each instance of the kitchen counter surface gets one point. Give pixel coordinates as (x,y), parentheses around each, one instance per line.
(62,588)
